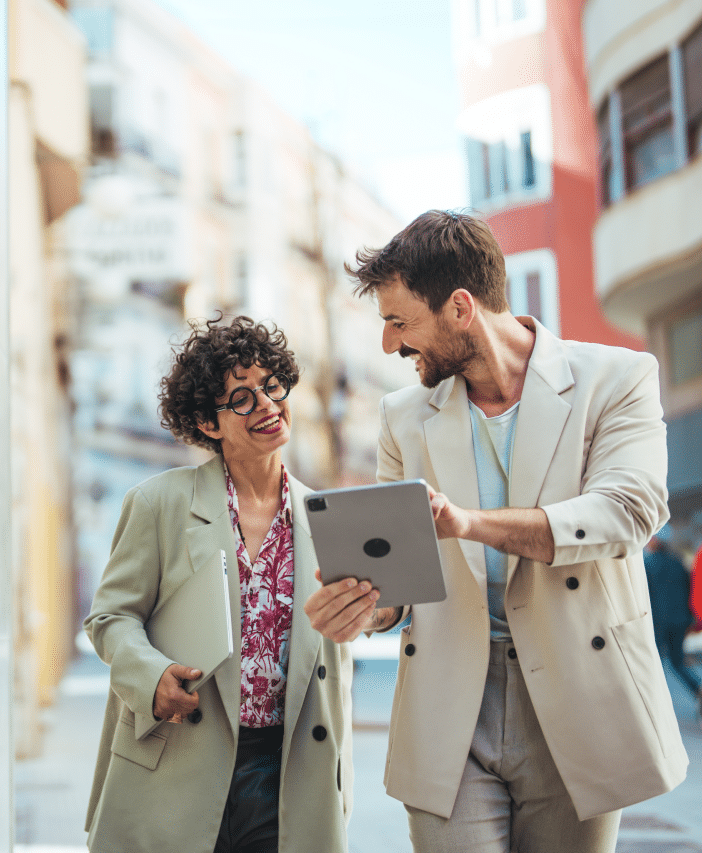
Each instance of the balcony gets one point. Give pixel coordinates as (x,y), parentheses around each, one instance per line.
(648,248)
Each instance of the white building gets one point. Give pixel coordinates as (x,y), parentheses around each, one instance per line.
(203,195)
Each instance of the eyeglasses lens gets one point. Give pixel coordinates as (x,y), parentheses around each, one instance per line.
(276,388)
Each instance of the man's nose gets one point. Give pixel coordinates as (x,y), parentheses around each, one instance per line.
(391,339)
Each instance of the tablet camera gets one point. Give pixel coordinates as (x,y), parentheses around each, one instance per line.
(316,504)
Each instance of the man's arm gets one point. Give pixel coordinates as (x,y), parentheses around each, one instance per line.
(524,532)
(623,495)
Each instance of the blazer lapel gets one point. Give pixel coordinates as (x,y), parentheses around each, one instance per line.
(543,413)
(449,439)
(304,640)
(210,503)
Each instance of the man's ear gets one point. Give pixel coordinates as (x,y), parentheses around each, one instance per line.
(462,308)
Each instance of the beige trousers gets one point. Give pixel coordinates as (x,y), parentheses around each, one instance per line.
(511,798)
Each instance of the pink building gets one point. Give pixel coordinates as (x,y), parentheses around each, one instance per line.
(531,149)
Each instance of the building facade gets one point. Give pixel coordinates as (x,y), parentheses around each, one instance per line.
(644,65)
(202,195)
(48,145)
(530,147)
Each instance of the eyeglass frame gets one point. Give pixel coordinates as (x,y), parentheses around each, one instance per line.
(263,387)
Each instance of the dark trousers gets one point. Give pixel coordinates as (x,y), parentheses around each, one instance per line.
(250,819)
(669,639)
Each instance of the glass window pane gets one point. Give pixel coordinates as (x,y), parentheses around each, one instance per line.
(96,25)
(519,10)
(685,349)
(692,70)
(528,170)
(647,123)
(478,188)
(533,289)
(653,157)
(646,95)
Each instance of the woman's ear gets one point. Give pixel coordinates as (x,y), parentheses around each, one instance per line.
(209,429)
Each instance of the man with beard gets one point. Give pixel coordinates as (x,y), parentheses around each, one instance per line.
(530,705)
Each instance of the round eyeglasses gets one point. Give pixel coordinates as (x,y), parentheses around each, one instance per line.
(242,400)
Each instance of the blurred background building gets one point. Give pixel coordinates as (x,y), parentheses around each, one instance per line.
(48,148)
(530,147)
(644,68)
(152,183)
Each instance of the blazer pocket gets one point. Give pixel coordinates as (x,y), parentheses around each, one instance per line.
(637,645)
(146,752)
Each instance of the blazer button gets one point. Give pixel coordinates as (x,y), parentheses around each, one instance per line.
(410,649)
(322,672)
(572,583)
(319,733)
(511,653)
(195,716)
(580,534)
(598,643)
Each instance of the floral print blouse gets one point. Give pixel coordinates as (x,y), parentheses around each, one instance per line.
(266,614)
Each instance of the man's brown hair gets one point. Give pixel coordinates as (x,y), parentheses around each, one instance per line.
(439,252)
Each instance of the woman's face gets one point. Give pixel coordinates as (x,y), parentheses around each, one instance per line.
(262,432)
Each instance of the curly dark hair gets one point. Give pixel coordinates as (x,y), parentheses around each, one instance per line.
(201,366)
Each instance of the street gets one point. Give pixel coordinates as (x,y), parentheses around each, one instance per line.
(51,792)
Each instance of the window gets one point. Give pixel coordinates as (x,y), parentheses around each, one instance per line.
(499,20)
(685,349)
(533,294)
(528,172)
(497,170)
(532,286)
(647,124)
(238,162)
(509,147)
(606,171)
(97,26)
(692,71)
(519,10)
(101,120)
(652,124)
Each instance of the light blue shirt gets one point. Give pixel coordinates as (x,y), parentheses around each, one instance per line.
(492,446)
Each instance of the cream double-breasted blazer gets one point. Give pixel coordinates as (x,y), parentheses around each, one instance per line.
(167,792)
(590,449)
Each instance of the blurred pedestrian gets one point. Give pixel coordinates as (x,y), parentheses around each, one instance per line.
(669,588)
(696,590)
(261,759)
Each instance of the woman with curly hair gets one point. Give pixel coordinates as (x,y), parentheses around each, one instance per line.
(261,761)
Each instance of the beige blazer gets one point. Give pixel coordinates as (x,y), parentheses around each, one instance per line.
(590,449)
(168,792)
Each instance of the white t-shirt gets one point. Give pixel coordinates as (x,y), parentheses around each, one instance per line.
(492,446)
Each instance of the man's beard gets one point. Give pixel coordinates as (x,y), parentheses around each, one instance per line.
(451,356)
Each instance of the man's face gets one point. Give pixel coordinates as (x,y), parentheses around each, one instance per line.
(414,331)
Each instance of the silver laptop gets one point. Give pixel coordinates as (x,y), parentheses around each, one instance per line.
(384,533)
(194,627)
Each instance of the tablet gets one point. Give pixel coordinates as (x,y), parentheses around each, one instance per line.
(194,627)
(383,533)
